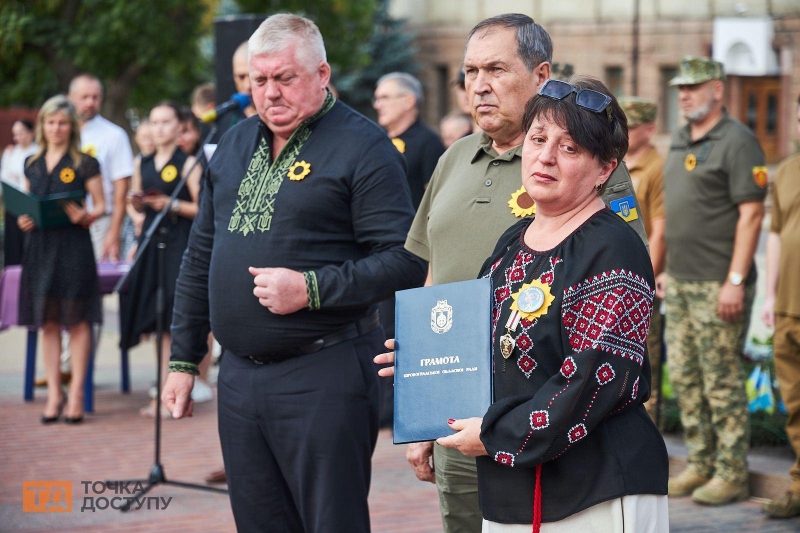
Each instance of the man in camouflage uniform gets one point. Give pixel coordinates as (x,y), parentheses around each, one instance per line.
(782,311)
(646,167)
(715,182)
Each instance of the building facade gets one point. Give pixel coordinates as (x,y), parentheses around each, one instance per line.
(758,41)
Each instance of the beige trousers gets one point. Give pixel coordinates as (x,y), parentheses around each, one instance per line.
(645,513)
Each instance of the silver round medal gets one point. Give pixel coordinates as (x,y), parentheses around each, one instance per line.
(530,300)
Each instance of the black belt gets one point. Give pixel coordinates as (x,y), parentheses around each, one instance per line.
(351,331)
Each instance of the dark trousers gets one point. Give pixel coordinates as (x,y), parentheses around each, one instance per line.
(13,242)
(297,438)
(386,385)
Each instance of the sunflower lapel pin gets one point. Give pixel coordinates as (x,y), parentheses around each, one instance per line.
(169,173)
(400,144)
(67,175)
(299,170)
(521,204)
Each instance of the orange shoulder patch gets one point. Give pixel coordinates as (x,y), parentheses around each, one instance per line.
(760,176)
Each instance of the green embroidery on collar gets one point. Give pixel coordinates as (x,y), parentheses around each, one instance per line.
(256,204)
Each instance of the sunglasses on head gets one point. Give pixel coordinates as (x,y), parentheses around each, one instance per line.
(590,99)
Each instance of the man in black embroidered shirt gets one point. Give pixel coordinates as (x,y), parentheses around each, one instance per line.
(300,230)
(397,100)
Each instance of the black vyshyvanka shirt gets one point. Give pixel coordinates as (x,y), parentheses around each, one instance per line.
(569,397)
(334,204)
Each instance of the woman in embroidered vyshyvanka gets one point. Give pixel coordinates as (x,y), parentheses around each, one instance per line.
(155,177)
(567,444)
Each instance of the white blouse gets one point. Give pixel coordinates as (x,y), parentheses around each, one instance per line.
(12,166)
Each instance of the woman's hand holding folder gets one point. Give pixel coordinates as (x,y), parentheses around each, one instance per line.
(26,224)
(385,358)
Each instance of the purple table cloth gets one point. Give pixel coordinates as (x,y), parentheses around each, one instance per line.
(109,273)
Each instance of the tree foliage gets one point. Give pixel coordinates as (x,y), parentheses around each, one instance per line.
(143,50)
(389,49)
(345,24)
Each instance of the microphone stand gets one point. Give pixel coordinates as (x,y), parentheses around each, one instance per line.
(157,476)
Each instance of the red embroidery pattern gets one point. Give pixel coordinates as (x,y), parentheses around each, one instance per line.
(576,433)
(609,312)
(524,342)
(568,367)
(540,419)
(604,374)
(591,404)
(504,458)
(527,364)
(502,294)
(514,275)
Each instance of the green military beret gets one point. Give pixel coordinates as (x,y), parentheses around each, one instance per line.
(638,110)
(696,70)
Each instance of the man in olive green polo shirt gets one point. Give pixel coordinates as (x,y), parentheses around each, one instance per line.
(474,195)
(782,311)
(715,182)
(646,167)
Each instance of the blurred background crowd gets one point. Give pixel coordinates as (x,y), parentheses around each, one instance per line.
(141,76)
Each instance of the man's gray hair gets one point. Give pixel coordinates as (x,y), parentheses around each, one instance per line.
(408,85)
(277,32)
(533,42)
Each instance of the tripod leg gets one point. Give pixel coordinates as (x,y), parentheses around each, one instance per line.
(197,487)
(127,506)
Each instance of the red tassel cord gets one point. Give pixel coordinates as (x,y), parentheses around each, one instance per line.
(537,501)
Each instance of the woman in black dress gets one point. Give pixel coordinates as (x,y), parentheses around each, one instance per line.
(567,444)
(59,285)
(154,179)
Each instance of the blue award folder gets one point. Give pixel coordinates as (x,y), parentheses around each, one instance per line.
(443,364)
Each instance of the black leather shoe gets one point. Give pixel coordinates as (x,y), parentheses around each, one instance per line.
(71,420)
(51,419)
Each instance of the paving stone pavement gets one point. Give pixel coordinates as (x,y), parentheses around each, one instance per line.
(115,443)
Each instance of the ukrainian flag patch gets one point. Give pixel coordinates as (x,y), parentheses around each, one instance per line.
(625,208)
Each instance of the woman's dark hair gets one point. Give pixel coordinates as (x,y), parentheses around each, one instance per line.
(603,138)
(172,105)
(25,122)
(188,117)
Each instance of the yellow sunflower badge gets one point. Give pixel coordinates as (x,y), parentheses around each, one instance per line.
(67,175)
(299,170)
(169,173)
(521,204)
(90,149)
(400,144)
(533,299)
(690,162)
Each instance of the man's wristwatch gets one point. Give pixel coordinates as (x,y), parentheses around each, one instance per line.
(175,206)
(735,278)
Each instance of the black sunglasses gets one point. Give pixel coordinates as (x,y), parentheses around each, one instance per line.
(590,99)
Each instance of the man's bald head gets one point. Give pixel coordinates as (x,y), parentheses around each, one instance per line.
(241,69)
(86,94)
